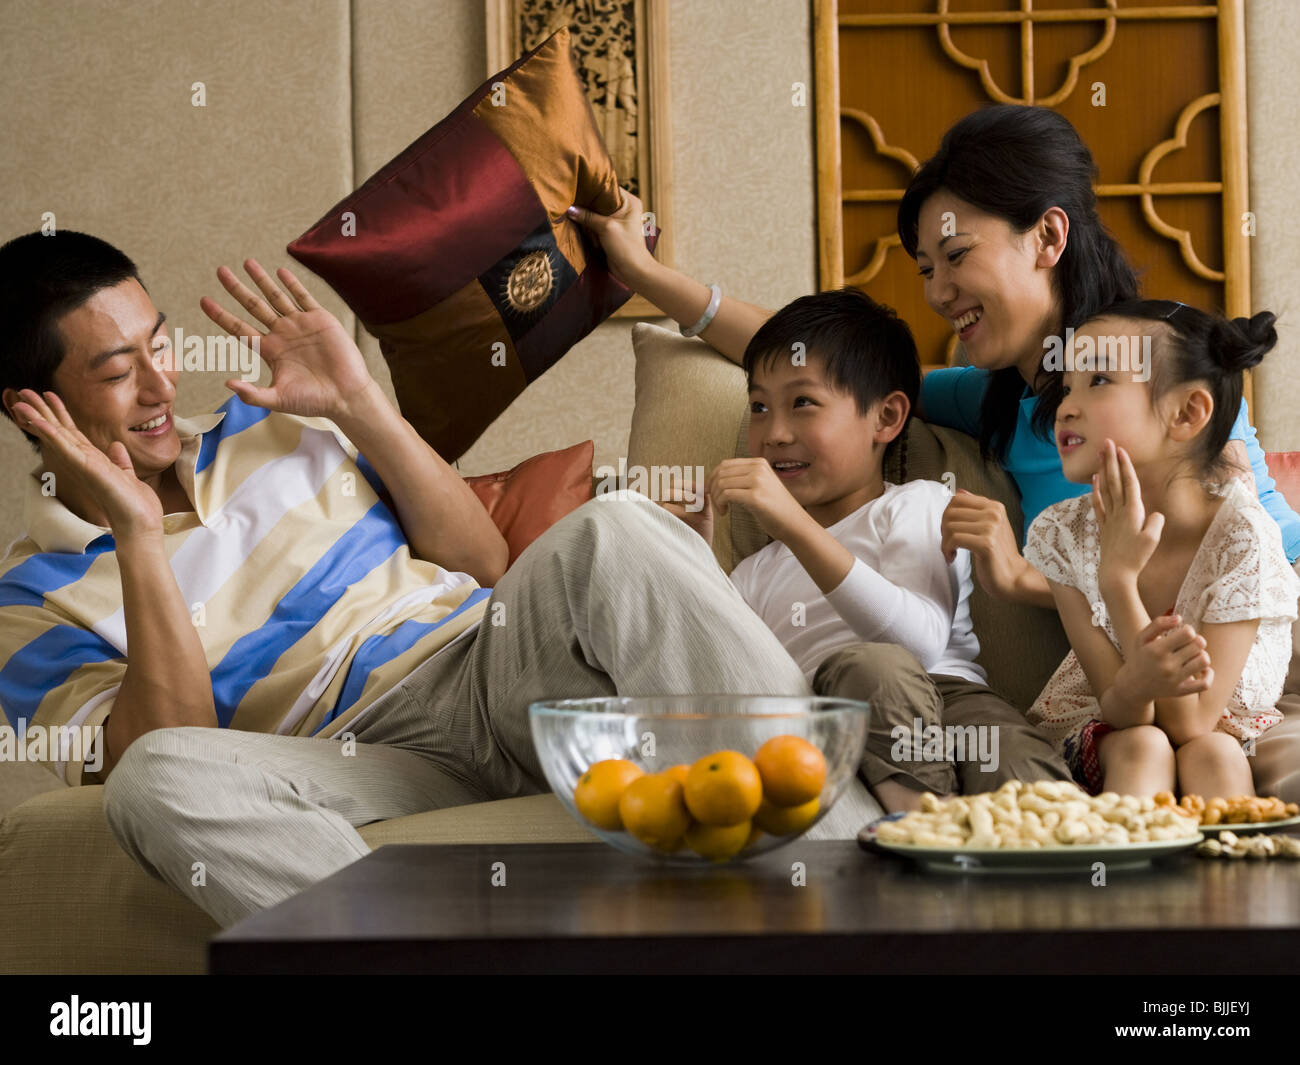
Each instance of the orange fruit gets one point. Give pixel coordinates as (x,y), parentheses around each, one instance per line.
(653,809)
(599,789)
(786,820)
(679,773)
(754,834)
(723,788)
(718,842)
(793,770)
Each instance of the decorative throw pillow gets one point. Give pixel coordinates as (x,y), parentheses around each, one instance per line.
(527,500)
(458,256)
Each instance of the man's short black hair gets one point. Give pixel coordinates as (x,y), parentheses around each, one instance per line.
(867,350)
(42,278)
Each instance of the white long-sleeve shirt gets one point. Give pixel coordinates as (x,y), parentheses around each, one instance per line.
(900,590)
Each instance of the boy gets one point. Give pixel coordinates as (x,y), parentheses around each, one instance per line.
(855,583)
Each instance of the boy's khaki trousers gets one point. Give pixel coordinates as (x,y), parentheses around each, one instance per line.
(907,700)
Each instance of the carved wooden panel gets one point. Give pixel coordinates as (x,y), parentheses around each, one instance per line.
(1156,90)
(621,50)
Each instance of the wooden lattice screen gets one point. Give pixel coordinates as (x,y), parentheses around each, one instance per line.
(1169,141)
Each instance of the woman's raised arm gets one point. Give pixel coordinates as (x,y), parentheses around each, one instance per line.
(622,237)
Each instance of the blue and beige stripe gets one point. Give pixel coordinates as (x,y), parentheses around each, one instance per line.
(306,598)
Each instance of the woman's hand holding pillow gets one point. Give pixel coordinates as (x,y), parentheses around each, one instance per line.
(621,236)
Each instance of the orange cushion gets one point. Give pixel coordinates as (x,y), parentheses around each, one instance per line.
(527,500)
(1284,468)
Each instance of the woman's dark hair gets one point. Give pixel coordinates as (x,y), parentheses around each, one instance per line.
(42,278)
(1202,347)
(867,350)
(1016,162)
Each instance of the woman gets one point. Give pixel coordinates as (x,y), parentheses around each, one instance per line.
(1025,257)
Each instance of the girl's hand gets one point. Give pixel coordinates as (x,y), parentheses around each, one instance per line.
(316,367)
(621,236)
(81,471)
(981,526)
(753,483)
(1128,534)
(1170,661)
(679,503)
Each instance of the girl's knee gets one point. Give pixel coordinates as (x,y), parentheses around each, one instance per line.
(1140,742)
(1210,749)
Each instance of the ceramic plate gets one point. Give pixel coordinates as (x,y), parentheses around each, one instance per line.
(1251,827)
(1030,860)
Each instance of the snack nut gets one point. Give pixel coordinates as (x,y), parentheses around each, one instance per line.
(1046,813)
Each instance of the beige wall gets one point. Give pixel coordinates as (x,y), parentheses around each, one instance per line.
(98,127)
(96,119)
(1273,86)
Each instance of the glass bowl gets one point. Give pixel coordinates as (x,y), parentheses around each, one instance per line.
(658,732)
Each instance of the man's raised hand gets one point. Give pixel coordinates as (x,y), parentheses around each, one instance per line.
(83,472)
(316,368)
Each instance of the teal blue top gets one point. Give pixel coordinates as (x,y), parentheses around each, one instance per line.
(952,396)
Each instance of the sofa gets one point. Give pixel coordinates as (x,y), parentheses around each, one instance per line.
(80,905)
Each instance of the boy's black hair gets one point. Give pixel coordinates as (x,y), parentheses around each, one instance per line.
(42,278)
(1198,347)
(867,350)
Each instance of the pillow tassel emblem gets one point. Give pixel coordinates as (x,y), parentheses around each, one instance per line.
(530,282)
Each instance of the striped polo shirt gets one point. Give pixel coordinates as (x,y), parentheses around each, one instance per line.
(300,583)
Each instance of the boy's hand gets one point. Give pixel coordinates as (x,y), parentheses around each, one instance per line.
(1170,661)
(1128,534)
(981,526)
(316,367)
(679,502)
(753,483)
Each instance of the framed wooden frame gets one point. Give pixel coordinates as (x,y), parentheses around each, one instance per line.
(1134,194)
(637,39)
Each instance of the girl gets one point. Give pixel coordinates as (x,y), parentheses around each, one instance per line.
(1170,577)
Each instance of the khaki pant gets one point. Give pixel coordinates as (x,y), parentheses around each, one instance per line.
(999,744)
(617,597)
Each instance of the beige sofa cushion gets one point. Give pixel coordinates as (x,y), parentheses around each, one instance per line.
(690,402)
(75,902)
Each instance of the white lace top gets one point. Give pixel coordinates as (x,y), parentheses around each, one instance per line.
(1240,571)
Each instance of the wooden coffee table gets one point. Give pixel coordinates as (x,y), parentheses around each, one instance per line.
(578,907)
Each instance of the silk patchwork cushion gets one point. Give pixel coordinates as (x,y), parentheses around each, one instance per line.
(458,256)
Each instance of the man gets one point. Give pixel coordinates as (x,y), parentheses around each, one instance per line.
(274,604)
